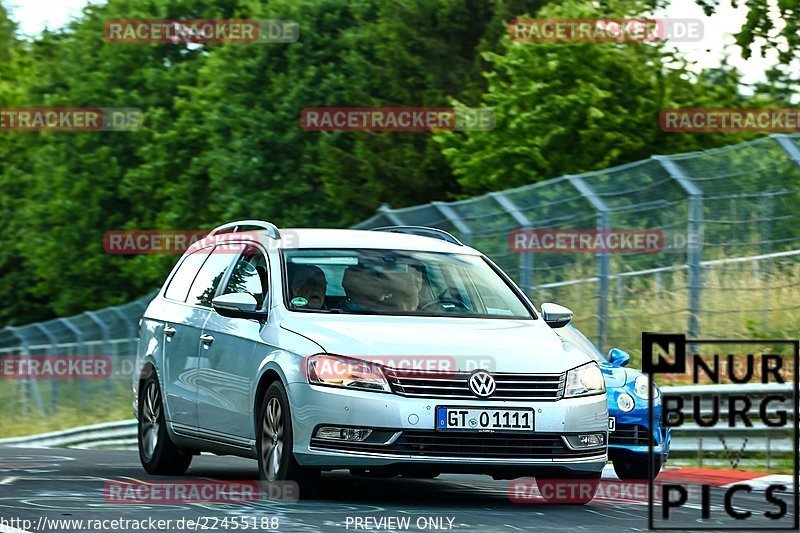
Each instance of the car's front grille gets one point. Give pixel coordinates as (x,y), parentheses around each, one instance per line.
(468,445)
(629,435)
(444,384)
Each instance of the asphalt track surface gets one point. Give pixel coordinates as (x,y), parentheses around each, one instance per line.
(69,484)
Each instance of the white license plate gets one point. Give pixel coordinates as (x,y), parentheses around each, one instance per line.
(612,423)
(470,419)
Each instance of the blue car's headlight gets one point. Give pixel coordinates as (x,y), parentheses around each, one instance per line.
(625,402)
(640,387)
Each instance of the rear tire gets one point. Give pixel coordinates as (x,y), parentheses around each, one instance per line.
(157,453)
(275,443)
(636,467)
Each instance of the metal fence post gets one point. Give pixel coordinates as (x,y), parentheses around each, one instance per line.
(389,213)
(788,146)
(79,345)
(603,258)
(117,311)
(106,347)
(52,352)
(694,248)
(450,214)
(525,257)
(26,384)
(766,208)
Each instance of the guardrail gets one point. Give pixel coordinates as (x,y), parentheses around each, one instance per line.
(773,442)
(120,434)
(768,442)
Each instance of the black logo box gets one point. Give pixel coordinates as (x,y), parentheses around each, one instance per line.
(678,366)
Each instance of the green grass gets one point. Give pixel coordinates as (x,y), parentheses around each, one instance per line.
(737,302)
(73,407)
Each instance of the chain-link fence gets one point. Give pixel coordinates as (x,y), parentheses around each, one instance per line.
(108,333)
(727,264)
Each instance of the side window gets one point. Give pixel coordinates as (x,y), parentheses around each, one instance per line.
(179,286)
(207,280)
(249,275)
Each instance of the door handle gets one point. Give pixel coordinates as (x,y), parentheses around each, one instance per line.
(206,339)
(169,331)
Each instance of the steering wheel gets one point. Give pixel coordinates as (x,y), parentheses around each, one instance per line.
(444,301)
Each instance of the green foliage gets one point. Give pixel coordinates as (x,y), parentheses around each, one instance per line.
(222,137)
(768,26)
(564,108)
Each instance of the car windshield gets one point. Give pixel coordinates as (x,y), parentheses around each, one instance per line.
(392,282)
(572,334)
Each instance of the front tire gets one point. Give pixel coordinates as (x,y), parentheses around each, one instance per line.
(157,453)
(636,467)
(276,460)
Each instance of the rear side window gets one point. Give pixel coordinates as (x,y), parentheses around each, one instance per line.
(179,286)
(205,284)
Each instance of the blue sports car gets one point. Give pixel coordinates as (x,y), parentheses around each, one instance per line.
(628,424)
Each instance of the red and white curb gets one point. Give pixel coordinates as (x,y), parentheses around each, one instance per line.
(758,481)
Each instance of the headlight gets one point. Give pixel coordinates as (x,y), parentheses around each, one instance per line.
(625,402)
(584,380)
(345,372)
(640,387)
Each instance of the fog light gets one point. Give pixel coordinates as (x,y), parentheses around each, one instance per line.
(349,434)
(625,402)
(591,440)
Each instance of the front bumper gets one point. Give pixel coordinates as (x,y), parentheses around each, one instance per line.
(415,443)
(633,428)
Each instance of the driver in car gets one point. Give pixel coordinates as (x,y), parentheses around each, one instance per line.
(367,290)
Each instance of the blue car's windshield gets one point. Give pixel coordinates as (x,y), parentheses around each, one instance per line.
(572,334)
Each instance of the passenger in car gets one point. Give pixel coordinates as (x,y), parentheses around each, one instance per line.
(308,287)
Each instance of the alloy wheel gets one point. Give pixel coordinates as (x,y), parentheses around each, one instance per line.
(151,412)
(272,439)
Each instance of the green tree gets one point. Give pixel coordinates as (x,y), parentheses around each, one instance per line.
(564,108)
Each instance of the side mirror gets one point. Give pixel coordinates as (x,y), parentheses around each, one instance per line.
(618,358)
(556,316)
(237,305)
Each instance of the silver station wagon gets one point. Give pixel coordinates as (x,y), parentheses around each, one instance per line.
(394,351)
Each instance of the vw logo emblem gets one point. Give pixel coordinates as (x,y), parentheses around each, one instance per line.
(482,384)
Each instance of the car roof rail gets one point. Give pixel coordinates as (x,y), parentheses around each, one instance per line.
(245,225)
(424,231)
